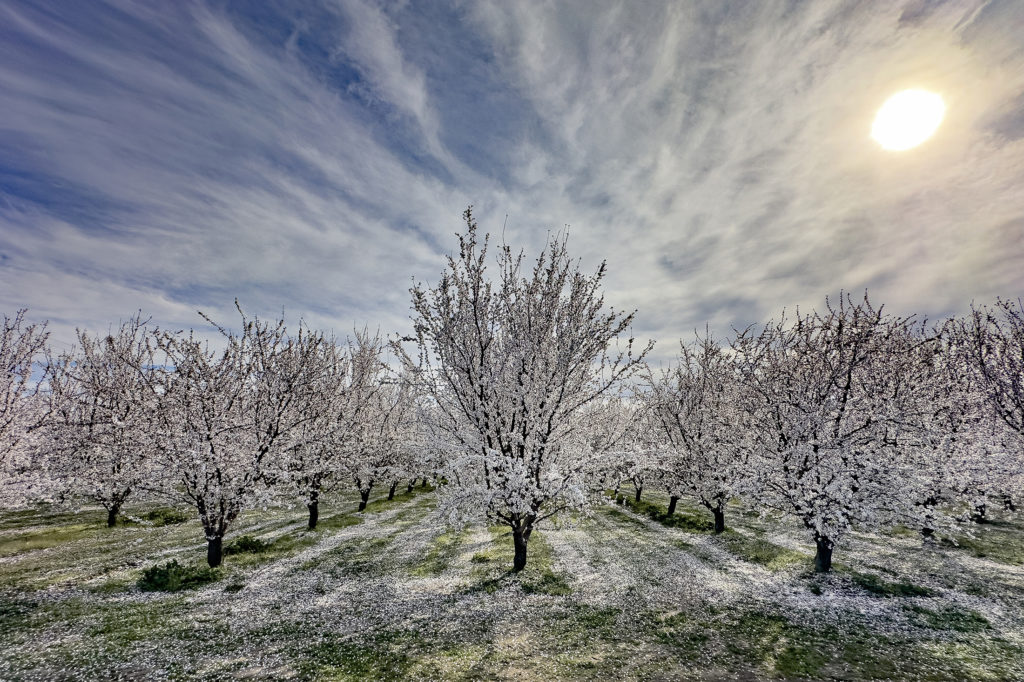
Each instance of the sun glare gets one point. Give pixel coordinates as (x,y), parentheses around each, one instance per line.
(907,119)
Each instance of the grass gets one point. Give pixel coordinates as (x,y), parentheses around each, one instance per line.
(880,587)
(949,618)
(998,540)
(51,537)
(685,517)
(443,550)
(757,550)
(389,594)
(161,516)
(491,567)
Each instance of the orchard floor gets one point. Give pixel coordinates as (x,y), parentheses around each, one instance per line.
(392,594)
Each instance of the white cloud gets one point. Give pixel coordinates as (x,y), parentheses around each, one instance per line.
(718,155)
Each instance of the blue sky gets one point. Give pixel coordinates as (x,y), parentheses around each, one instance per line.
(317,156)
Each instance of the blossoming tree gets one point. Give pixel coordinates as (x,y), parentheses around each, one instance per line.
(231,416)
(21,345)
(993,339)
(511,363)
(693,403)
(102,417)
(825,396)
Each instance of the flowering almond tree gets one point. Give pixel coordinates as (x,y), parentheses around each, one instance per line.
(21,345)
(344,384)
(229,417)
(381,443)
(948,449)
(694,404)
(826,397)
(617,436)
(994,342)
(511,364)
(102,417)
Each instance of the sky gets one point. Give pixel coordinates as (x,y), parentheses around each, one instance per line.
(316,157)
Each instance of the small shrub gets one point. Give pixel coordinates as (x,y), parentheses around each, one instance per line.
(247,544)
(172,576)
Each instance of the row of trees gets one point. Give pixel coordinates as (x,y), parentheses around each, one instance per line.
(849,418)
(263,417)
(524,396)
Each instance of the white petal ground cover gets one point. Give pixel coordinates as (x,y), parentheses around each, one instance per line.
(392,593)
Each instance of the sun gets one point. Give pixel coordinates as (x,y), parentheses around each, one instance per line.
(907,119)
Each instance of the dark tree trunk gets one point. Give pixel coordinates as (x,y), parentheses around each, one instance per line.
(364,496)
(672,505)
(719,520)
(391,493)
(520,538)
(214,552)
(412,484)
(424,484)
(112,515)
(1008,504)
(314,513)
(823,557)
(639,491)
(928,535)
(980,513)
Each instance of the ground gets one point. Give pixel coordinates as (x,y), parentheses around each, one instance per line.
(392,593)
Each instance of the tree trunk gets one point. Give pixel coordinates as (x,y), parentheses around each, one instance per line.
(314,513)
(412,484)
(672,505)
(424,484)
(112,512)
(214,551)
(1008,504)
(823,557)
(928,536)
(391,493)
(639,491)
(980,513)
(520,538)
(719,520)
(364,496)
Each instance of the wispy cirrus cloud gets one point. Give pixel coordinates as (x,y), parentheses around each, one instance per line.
(316,156)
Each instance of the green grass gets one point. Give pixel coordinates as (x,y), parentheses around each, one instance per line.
(685,518)
(759,551)
(491,567)
(949,618)
(338,521)
(444,548)
(51,537)
(163,516)
(880,587)
(453,609)
(998,540)
(539,576)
